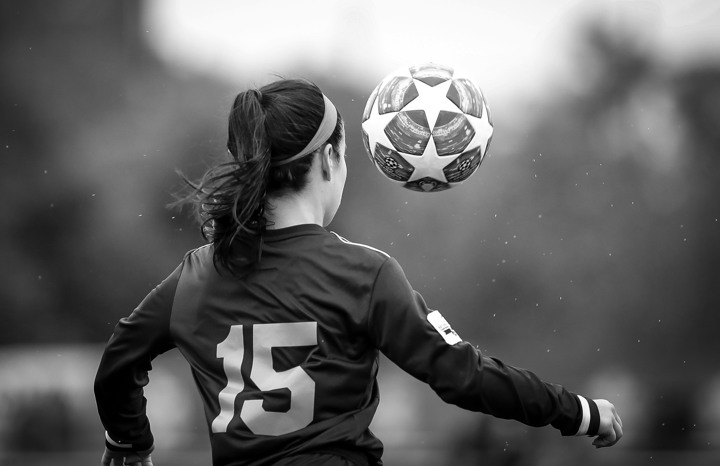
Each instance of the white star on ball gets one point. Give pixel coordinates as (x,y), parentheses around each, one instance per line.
(483,131)
(375,125)
(432,100)
(429,164)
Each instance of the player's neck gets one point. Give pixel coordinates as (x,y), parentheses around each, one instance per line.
(293,210)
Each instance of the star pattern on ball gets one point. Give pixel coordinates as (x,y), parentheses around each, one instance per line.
(432,100)
(375,125)
(429,164)
(483,131)
(430,118)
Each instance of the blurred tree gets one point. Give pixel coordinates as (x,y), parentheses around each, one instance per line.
(698,94)
(91,122)
(625,188)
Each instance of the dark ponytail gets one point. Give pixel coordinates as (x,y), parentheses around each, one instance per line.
(265,125)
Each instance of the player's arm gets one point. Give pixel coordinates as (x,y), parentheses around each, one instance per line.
(123,371)
(421,342)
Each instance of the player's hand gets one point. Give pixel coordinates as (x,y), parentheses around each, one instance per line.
(610,429)
(126,458)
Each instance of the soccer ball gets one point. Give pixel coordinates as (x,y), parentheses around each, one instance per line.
(427,127)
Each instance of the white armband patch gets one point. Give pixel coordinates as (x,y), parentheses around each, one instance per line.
(443,328)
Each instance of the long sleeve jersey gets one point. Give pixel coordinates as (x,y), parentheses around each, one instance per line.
(285,358)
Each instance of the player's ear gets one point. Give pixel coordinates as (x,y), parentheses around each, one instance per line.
(326,164)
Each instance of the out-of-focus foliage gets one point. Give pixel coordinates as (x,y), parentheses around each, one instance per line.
(586,248)
(93,128)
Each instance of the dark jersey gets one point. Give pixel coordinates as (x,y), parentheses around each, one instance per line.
(285,358)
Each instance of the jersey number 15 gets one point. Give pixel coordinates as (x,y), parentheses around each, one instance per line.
(295,379)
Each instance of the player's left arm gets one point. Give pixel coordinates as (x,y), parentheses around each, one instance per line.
(123,372)
(423,344)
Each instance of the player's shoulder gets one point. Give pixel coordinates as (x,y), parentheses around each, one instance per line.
(199,254)
(197,259)
(201,251)
(360,250)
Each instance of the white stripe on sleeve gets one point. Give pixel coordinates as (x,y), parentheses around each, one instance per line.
(585,423)
(114,443)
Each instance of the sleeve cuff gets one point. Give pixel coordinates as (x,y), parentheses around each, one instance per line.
(590,422)
(115,445)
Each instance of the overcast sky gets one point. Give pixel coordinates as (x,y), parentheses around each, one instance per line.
(509,46)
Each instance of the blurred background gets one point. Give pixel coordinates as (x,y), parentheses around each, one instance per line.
(585,248)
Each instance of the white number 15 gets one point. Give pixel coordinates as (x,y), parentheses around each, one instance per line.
(295,379)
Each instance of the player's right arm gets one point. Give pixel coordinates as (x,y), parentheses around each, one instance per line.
(123,371)
(421,342)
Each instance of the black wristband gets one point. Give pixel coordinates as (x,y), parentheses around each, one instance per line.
(594,425)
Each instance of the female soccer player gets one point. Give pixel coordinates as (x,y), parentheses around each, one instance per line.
(282,321)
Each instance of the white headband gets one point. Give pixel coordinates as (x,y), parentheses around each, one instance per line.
(324,131)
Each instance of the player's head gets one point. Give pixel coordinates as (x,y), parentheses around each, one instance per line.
(288,125)
(276,135)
